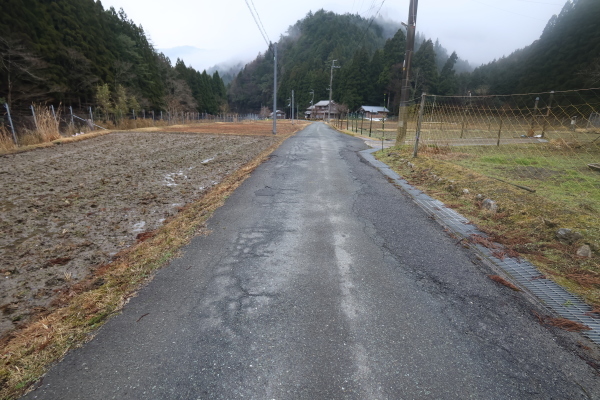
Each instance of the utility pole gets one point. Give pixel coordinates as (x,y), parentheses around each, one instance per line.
(275,90)
(292,107)
(330,89)
(410,45)
(312,111)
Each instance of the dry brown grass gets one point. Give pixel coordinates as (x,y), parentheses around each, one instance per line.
(46,130)
(6,141)
(26,353)
(525,223)
(566,324)
(502,281)
(127,124)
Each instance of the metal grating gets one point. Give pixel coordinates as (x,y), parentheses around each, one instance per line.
(552,295)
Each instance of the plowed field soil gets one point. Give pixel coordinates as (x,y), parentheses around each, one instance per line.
(67,209)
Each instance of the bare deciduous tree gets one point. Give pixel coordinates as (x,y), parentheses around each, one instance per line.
(264,112)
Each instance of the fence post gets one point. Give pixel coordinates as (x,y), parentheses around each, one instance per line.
(464,118)
(534,116)
(419,124)
(55,119)
(550,103)
(371,125)
(34,118)
(547,114)
(71,110)
(91,122)
(362,122)
(12,128)
(499,132)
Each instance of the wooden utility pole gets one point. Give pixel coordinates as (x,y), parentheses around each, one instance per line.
(275,90)
(330,89)
(404,94)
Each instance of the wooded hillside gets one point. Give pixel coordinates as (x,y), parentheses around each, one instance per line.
(75,52)
(370,62)
(565,57)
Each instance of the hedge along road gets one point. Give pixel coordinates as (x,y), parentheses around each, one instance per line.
(321,280)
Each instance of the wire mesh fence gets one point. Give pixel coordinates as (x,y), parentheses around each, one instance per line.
(26,125)
(545,142)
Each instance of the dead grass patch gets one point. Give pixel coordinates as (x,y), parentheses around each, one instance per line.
(6,140)
(525,223)
(502,281)
(26,353)
(566,324)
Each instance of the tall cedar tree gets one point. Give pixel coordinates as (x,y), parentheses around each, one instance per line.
(448,82)
(425,73)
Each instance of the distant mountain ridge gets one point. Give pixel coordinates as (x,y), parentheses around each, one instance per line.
(369,52)
(565,57)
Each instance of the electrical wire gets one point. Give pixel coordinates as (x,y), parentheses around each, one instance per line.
(371,22)
(264,34)
(259,20)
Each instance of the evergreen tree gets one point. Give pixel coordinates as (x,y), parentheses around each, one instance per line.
(448,82)
(425,73)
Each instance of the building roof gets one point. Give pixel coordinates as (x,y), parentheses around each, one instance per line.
(375,109)
(324,103)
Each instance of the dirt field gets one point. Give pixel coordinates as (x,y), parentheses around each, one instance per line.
(67,209)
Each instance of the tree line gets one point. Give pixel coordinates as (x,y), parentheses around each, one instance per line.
(567,56)
(371,65)
(77,53)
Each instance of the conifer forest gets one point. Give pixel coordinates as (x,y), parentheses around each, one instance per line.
(76,53)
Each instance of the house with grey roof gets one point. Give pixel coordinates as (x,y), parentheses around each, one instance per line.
(280,115)
(321,110)
(374,112)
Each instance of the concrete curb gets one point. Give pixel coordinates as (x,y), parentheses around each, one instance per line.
(553,296)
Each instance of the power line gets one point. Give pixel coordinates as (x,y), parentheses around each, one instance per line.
(371,22)
(259,20)
(264,34)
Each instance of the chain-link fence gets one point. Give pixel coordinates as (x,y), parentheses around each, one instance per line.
(546,142)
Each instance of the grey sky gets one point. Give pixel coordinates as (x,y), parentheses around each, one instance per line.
(207,32)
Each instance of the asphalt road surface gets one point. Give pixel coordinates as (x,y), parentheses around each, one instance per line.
(321,280)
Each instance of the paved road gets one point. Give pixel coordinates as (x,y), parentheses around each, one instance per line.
(321,280)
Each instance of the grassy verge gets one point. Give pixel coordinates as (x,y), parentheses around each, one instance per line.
(525,223)
(25,354)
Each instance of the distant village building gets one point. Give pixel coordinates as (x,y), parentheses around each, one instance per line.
(374,112)
(321,110)
(309,112)
(280,115)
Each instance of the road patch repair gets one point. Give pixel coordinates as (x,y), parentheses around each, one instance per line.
(550,294)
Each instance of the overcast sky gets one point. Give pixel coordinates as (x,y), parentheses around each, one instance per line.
(208,32)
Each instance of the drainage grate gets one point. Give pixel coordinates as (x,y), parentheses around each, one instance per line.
(552,295)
